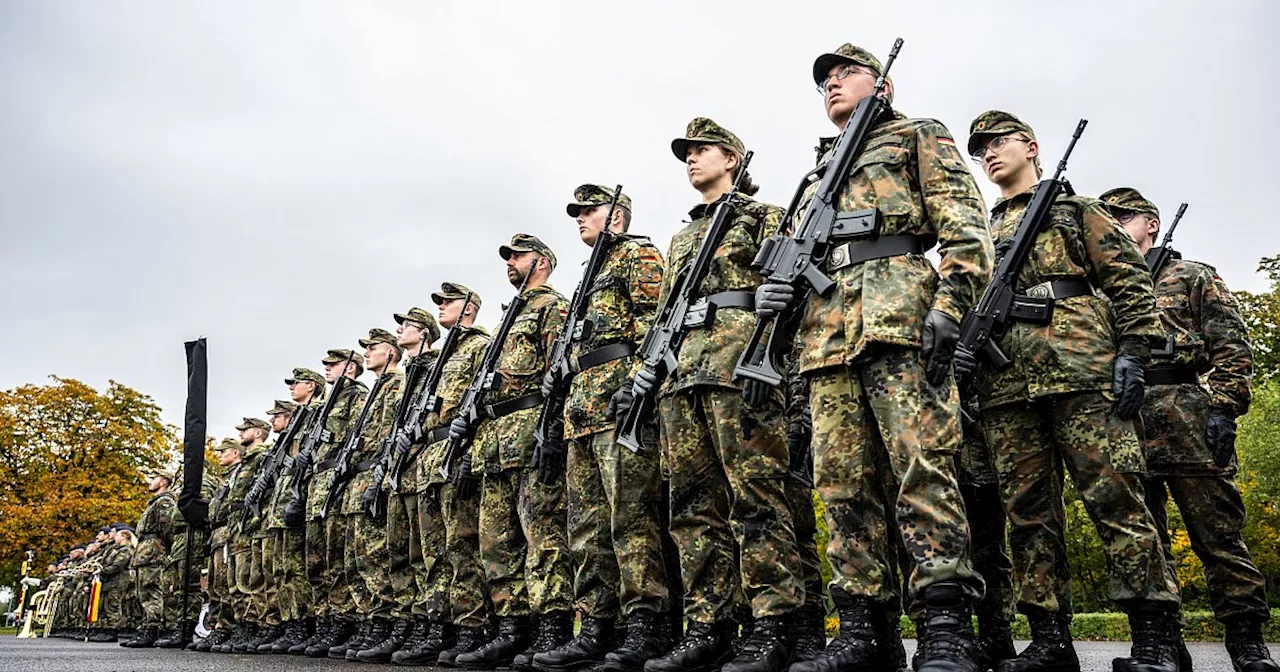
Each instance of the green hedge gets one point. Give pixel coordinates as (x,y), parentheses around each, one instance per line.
(1199,626)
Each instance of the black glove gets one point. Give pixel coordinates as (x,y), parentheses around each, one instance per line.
(937,345)
(551,461)
(302,461)
(458,429)
(465,484)
(295,514)
(645,384)
(965,365)
(1220,434)
(369,498)
(1128,383)
(620,403)
(549,383)
(773,298)
(403,442)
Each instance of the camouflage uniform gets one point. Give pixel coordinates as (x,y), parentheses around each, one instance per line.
(176,562)
(860,350)
(1053,406)
(524,543)
(614,523)
(115,579)
(244,571)
(980,488)
(286,545)
(728,461)
(155,534)
(222,584)
(452,581)
(1209,340)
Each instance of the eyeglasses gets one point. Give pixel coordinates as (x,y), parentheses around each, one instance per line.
(995,144)
(839,76)
(1126,216)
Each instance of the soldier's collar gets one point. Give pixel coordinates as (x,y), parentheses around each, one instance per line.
(1002,202)
(703,209)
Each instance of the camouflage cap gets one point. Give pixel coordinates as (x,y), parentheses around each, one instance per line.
(452,291)
(705,131)
(228,444)
(421,316)
(992,123)
(167,472)
(1128,198)
(340,355)
(590,195)
(304,375)
(254,423)
(846,53)
(282,407)
(377,335)
(524,242)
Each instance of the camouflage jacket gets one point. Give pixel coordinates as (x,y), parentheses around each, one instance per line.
(507,442)
(709,354)
(911,171)
(1209,337)
(336,427)
(155,530)
(239,488)
(115,561)
(621,308)
(424,362)
(377,426)
(1074,352)
(220,510)
(279,499)
(458,371)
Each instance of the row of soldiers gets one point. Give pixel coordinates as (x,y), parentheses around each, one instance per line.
(689,545)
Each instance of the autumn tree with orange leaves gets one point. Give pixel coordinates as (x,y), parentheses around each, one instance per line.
(71,459)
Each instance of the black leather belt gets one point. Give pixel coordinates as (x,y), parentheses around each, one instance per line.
(857,251)
(1036,304)
(1172,375)
(510,406)
(702,312)
(603,354)
(437,434)
(364,465)
(235,507)
(326,465)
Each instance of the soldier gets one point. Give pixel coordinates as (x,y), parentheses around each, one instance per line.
(221,585)
(156,536)
(725,447)
(877,353)
(523,538)
(326,556)
(615,528)
(116,554)
(290,594)
(1070,398)
(246,560)
(367,560)
(1190,430)
(453,591)
(186,614)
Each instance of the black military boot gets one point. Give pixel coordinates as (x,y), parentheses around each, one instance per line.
(594,640)
(381,652)
(808,634)
(218,636)
(238,633)
(378,630)
(300,649)
(104,636)
(893,654)
(1151,627)
(266,637)
(143,639)
(948,644)
(648,637)
(425,647)
(766,649)
(512,639)
(995,641)
(859,646)
(293,632)
(247,641)
(1247,650)
(173,639)
(340,632)
(467,640)
(1050,648)
(554,630)
(705,647)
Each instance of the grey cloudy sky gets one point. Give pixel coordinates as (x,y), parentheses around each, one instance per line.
(281,176)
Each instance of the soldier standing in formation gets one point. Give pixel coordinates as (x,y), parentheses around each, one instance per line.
(155,530)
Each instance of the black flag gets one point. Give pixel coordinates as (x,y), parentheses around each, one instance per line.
(194,509)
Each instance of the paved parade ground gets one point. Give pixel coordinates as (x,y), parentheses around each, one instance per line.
(60,655)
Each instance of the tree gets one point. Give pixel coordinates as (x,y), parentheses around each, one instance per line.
(1261,313)
(72,459)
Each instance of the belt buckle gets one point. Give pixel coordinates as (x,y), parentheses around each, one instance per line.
(1043,290)
(839,256)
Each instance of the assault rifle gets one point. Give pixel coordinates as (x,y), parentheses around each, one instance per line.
(471,407)
(386,446)
(795,259)
(269,472)
(550,428)
(345,471)
(660,350)
(983,324)
(1157,257)
(295,511)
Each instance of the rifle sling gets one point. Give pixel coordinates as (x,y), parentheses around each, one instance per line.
(604,354)
(436,435)
(858,251)
(1172,375)
(498,410)
(1035,305)
(703,310)
(326,465)
(363,466)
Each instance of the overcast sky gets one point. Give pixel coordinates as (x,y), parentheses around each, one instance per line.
(281,176)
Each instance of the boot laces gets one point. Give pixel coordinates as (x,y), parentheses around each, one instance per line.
(698,635)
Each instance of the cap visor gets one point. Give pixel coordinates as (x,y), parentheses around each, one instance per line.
(823,64)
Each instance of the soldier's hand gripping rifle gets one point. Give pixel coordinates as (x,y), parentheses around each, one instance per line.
(660,350)
(265,479)
(344,470)
(471,407)
(795,259)
(984,323)
(549,432)
(1157,257)
(317,434)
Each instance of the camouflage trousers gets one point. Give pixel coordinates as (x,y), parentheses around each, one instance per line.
(615,533)
(1032,443)
(174,570)
(148,582)
(243,576)
(404,552)
(468,588)
(730,517)
(805,522)
(524,544)
(366,566)
(432,573)
(111,608)
(263,609)
(980,488)
(1214,517)
(292,593)
(315,561)
(222,587)
(335,581)
(882,434)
